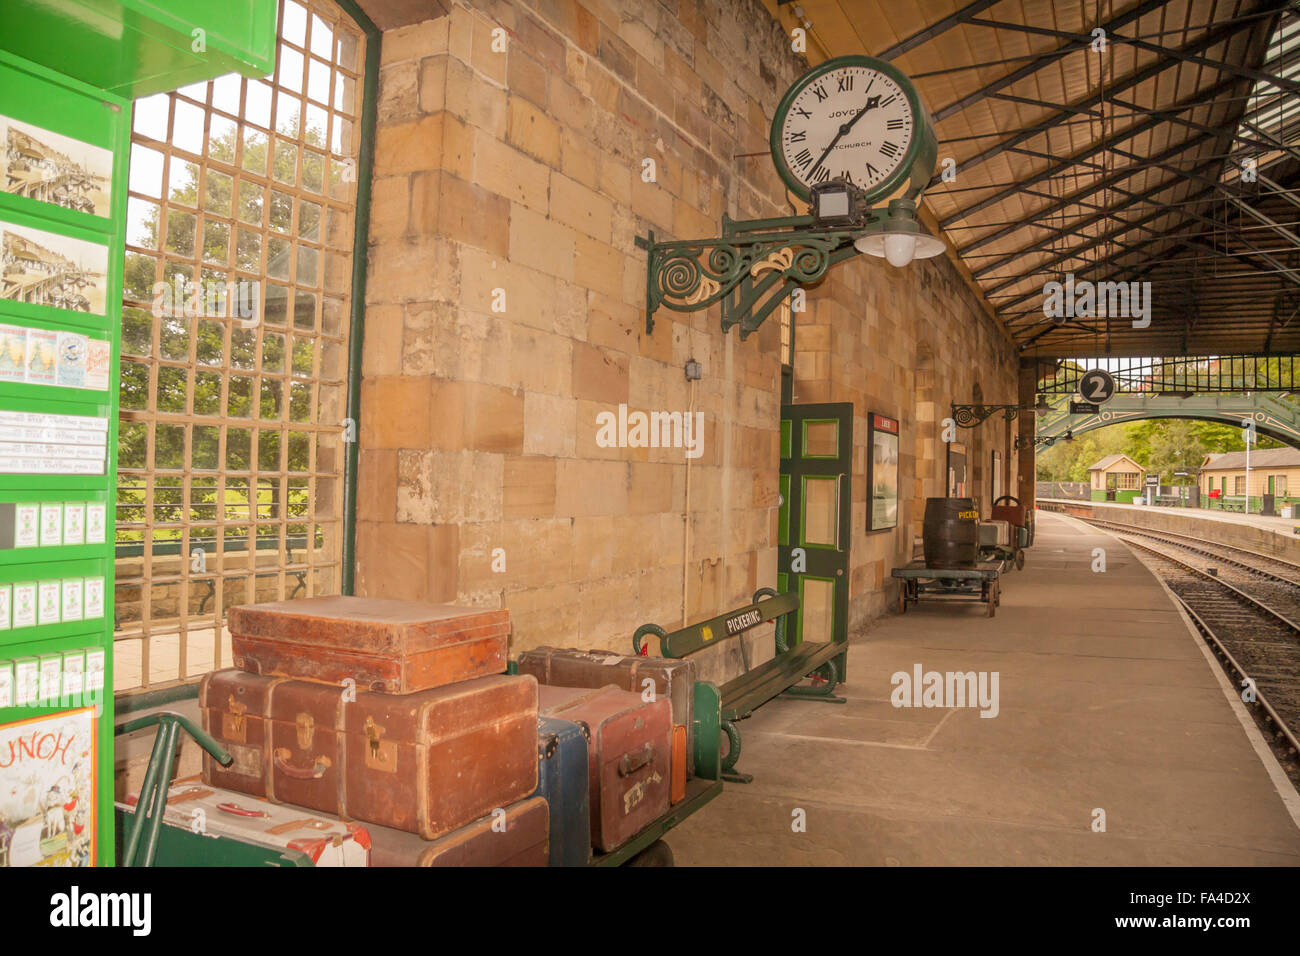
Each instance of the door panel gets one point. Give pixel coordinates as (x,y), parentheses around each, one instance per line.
(816,481)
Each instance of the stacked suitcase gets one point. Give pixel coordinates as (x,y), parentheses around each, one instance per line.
(395,714)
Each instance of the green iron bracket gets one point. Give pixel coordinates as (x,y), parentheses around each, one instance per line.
(751,269)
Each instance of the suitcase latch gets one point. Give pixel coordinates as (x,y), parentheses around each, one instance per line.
(234,726)
(306,724)
(380,754)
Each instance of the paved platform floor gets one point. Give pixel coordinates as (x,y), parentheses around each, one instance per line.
(1107,701)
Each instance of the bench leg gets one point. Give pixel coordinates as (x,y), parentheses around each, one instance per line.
(729,772)
(823,691)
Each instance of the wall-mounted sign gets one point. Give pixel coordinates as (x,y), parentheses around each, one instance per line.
(1084,408)
(882,473)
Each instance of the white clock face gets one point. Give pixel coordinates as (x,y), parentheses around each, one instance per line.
(853,123)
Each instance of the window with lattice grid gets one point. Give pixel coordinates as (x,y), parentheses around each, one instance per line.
(234,346)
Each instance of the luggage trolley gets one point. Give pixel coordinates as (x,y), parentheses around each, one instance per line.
(978,584)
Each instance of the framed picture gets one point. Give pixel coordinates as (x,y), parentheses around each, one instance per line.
(882,473)
(56,169)
(47,816)
(956,470)
(44,268)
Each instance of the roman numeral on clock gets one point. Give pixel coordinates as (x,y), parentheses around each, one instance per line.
(844,84)
(890,100)
(821,175)
(872,171)
(820,92)
(803,112)
(804,158)
(798,137)
(894,124)
(888,149)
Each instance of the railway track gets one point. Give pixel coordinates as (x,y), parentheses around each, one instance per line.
(1274,580)
(1255,640)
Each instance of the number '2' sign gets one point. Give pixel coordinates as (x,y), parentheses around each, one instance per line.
(1097,386)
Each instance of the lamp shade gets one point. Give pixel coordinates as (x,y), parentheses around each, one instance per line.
(899,238)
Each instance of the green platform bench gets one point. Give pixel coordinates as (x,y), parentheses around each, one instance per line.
(778,677)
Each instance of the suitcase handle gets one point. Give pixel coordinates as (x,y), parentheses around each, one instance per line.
(239,811)
(315,772)
(631,763)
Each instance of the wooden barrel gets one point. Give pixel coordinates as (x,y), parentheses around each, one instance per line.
(950,533)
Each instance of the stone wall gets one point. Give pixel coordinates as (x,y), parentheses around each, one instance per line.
(505,311)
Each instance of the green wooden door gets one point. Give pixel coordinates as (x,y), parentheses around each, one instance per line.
(813,534)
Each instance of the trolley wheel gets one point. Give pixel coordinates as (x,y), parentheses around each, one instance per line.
(1020,559)
(902,597)
(658,853)
(993,599)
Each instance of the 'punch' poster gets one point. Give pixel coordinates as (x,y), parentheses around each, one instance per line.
(47,790)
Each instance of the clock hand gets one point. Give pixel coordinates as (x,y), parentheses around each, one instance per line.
(872,103)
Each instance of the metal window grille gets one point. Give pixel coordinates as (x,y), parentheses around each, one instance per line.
(234,347)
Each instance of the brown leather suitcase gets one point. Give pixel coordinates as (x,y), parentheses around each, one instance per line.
(427,763)
(236,709)
(629,757)
(434,761)
(516,836)
(573,667)
(390,647)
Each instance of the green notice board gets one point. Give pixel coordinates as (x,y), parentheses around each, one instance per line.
(63,180)
(66,72)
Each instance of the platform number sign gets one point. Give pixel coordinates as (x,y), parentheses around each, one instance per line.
(1097,386)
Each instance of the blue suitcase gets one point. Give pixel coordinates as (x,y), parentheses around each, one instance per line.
(563,780)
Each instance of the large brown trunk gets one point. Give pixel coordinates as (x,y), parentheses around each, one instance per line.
(390,647)
(427,762)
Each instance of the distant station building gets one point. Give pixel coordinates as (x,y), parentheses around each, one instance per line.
(1115,478)
(1273,471)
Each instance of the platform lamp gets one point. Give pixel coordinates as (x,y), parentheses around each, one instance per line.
(898,236)
(1042,407)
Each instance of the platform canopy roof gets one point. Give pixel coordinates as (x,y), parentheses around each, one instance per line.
(1122,166)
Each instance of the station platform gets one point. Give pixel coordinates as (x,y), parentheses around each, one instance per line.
(1278,525)
(1107,700)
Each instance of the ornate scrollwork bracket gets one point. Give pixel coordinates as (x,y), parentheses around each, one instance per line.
(751,269)
(968,415)
(1047,440)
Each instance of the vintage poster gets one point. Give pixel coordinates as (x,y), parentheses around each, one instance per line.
(44,268)
(47,792)
(56,169)
(882,474)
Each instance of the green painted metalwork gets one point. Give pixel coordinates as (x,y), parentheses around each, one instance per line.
(688,640)
(707,714)
(177,847)
(1272,416)
(356,333)
(750,274)
(1181,374)
(134,48)
(757,685)
(147,820)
